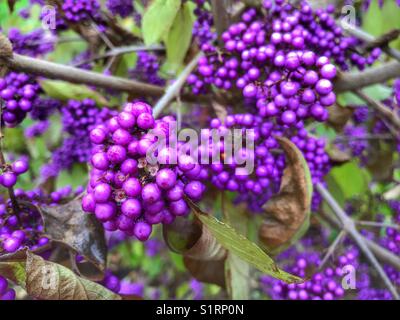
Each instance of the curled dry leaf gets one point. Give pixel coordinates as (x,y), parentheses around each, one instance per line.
(68,225)
(288,212)
(204,257)
(339,116)
(336,155)
(6,51)
(206,271)
(220,110)
(50,281)
(380,162)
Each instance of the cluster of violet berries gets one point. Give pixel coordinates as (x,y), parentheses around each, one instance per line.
(10,172)
(202,28)
(25,227)
(34,43)
(78,119)
(6,293)
(327,38)
(276,72)
(229,173)
(258,185)
(391,241)
(81,10)
(18,92)
(124,8)
(127,191)
(325,284)
(146,68)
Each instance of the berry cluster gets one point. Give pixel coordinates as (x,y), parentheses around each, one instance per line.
(327,38)
(325,284)
(391,241)
(81,10)
(230,173)
(146,69)
(127,191)
(10,172)
(34,43)
(202,28)
(43,108)
(23,226)
(78,118)
(257,185)
(18,92)
(37,129)
(274,72)
(361,114)
(6,293)
(122,287)
(124,8)
(356,144)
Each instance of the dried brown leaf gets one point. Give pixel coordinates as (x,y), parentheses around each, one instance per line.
(6,52)
(47,280)
(338,156)
(204,257)
(339,116)
(206,271)
(288,211)
(50,281)
(68,225)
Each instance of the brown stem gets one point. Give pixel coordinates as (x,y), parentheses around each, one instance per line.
(75,75)
(356,80)
(381,108)
(220,10)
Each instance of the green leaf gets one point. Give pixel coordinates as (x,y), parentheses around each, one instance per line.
(158,20)
(351,179)
(64,91)
(237,271)
(377,92)
(77,176)
(239,245)
(177,260)
(379,21)
(15,140)
(179,37)
(322,130)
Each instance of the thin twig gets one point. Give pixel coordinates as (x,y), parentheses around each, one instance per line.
(356,80)
(378,224)
(348,225)
(381,108)
(120,51)
(53,70)
(332,248)
(221,13)
(382,253)
(368,38)
(102,35)
(174,90)
(364,137)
